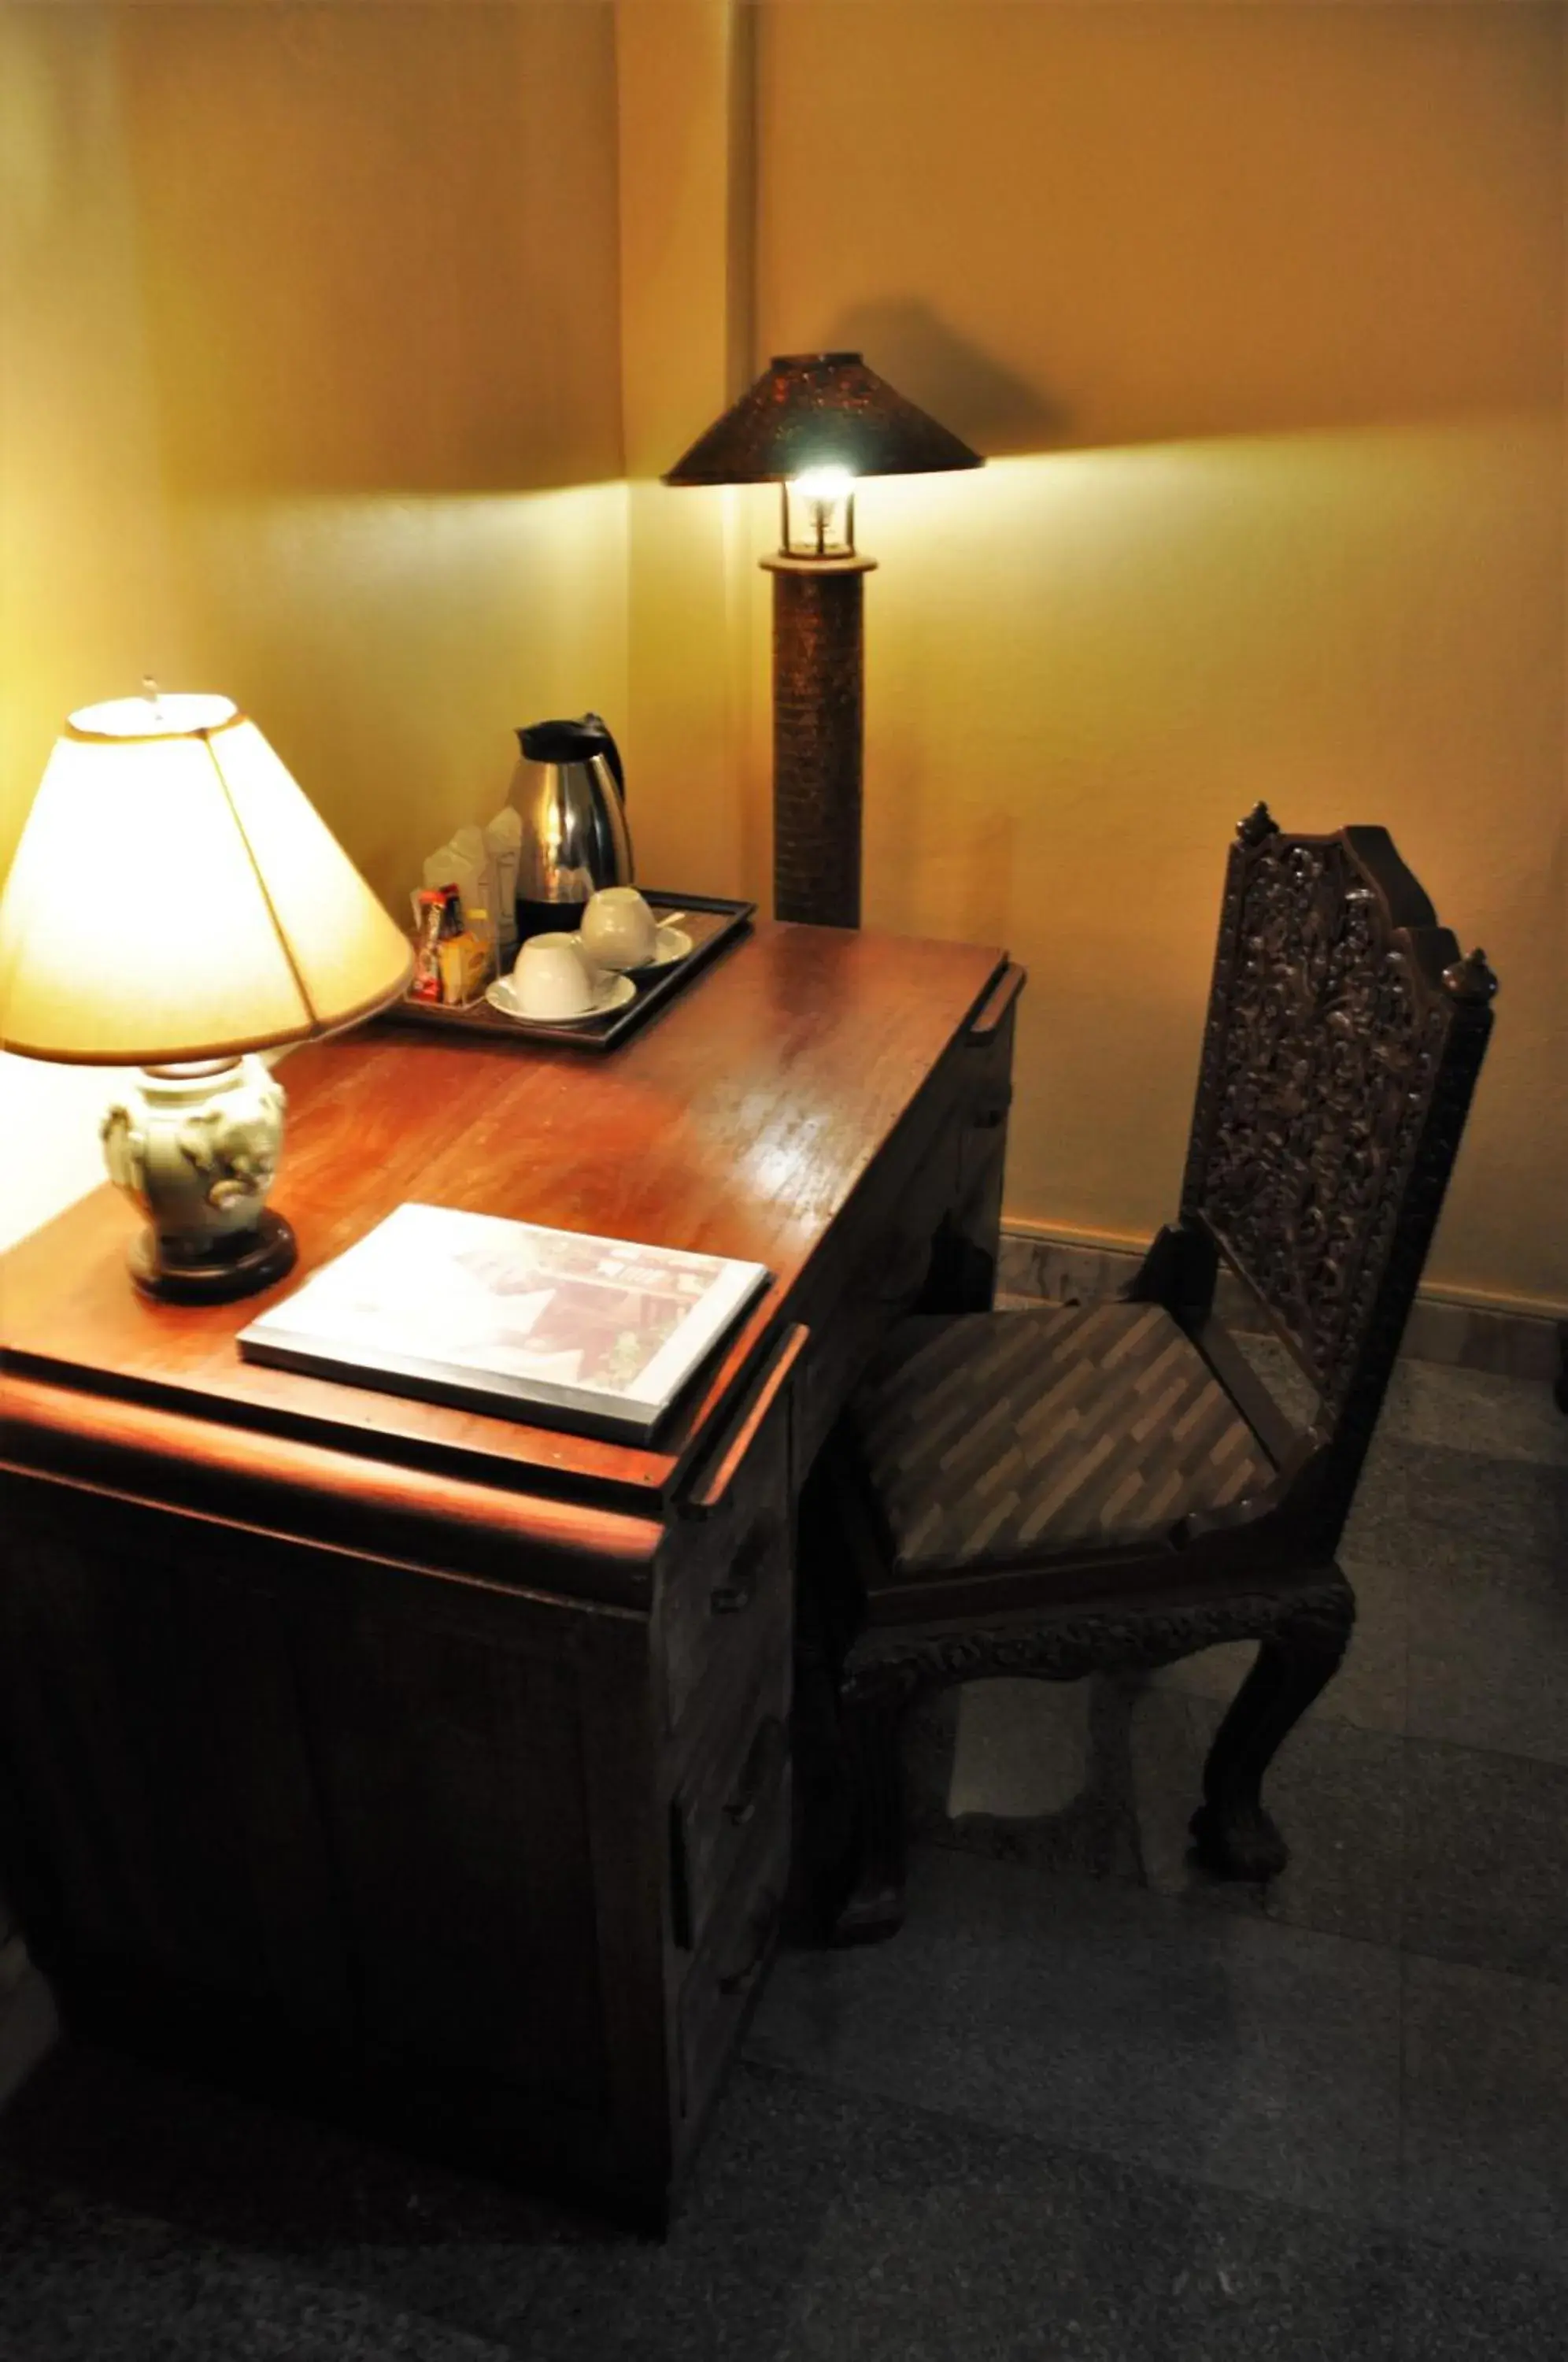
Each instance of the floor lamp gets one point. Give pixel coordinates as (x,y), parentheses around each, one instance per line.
(813,424)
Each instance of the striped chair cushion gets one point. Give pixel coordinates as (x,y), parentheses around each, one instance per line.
(1007,1437)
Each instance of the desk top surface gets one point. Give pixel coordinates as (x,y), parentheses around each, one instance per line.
(738,1124)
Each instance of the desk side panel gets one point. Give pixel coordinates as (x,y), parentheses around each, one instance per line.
(365,1833)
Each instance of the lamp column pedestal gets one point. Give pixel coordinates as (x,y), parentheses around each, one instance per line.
(818,736)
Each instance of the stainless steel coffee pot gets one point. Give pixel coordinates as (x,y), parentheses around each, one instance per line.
(568,791)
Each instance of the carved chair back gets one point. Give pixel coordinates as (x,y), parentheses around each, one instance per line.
(1344,1035)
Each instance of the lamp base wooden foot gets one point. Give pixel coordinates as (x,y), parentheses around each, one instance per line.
(238,1266)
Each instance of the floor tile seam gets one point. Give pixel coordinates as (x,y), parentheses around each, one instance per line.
(1395,2222)
(474,2346)
(1491,1754)
(1401,2082)
(986,2128)
(518,2345)
(485,2348)
(1404,1692)
(1176,1902)
(1320,1719)
(1322,1716)
(247,2261)
(80,2200)
(934,1836)
(1519,1457)
(1408,1952)
(1355,1551)
(1403,1951)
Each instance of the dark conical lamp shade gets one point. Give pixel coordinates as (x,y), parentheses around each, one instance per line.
(820,410)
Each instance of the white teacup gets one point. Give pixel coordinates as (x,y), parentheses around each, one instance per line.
(618,928)
(555,978)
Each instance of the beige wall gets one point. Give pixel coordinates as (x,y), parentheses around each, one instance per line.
(685,77)
(309,393)
(1265,307)
(344,346)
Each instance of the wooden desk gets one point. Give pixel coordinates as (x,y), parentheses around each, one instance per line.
(424,1760)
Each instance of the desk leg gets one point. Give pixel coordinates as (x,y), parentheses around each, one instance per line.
(967,1245)
(962,1275)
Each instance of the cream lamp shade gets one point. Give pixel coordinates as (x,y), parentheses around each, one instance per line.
(175,905)
(176,897)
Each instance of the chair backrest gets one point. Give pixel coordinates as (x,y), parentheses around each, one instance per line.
(1344,1035)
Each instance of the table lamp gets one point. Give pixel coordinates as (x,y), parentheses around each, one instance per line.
(813,422)
(175,905)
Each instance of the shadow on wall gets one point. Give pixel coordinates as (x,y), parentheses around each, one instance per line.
(966,387)
(1169,224)
(376,248)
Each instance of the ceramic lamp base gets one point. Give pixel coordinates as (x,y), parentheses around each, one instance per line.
(222,1269)
(195,1147)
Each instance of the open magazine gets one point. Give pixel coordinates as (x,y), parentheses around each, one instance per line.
(597,1335)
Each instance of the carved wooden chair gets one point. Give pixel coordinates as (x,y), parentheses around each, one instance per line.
(1069,1489)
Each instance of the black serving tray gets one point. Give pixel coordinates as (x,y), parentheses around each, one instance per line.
(713,925)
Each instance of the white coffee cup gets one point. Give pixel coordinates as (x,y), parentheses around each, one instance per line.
(618,928)
(555,978)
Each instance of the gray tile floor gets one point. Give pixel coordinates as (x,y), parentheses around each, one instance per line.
(1090,2106)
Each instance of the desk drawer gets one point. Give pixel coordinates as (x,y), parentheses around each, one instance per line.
(725,1592)
(729,1788)
(727,1607)
(726,1974)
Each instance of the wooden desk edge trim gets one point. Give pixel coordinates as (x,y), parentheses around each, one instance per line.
(445,1459)
(629,1612)
(711,1498)
(166,1456)
(986,1018)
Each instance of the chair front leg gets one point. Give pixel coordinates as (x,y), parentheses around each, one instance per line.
(870,1721)
(1235,1836)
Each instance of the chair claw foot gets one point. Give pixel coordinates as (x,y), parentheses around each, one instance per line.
(869,1917)
(1243,1843)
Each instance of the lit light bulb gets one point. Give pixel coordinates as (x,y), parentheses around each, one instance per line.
(819,513)
(824,484)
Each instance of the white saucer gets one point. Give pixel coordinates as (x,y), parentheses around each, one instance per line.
(673,943)
(670,944)
(614,993)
